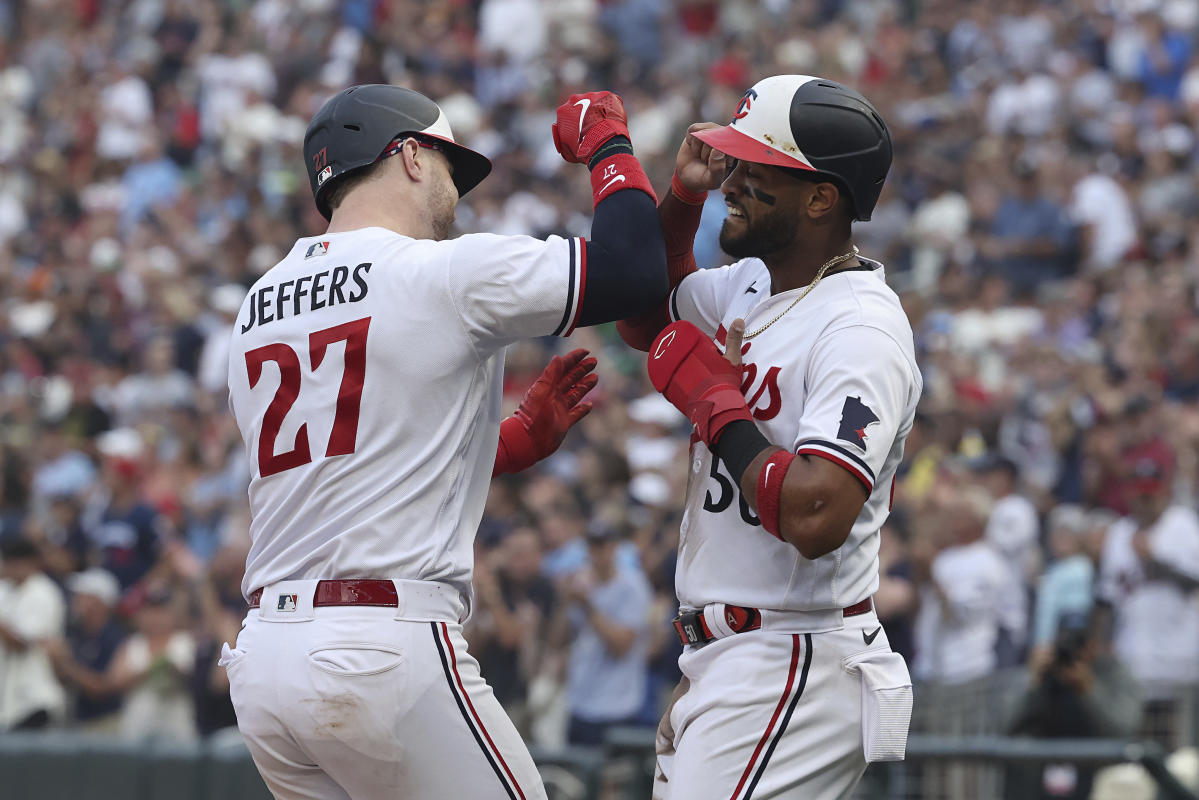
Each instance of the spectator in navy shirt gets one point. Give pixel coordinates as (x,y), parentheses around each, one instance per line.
(124,529)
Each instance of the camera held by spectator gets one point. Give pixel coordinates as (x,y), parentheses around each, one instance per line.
(1077,690)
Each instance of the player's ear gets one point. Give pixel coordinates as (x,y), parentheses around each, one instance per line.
(822,199)
(410,158)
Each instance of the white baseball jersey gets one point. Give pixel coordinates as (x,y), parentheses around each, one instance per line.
(1156,620)
(957,644)
(835,377)
(365,374)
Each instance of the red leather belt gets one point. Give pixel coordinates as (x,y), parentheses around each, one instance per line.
(691,628)
(359,592)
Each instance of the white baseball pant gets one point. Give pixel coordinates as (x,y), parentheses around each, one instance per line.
(773,714)
(372,702)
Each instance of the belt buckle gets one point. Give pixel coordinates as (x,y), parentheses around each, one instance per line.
(688,626)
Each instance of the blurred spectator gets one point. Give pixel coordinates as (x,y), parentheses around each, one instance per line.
(1068,585)
(217,592)
(153,668)
(963,597)
(124,530)
(84,659)
(508,630)
(1149,574)
(1164,56)
(32,611)
(607,617)
(1077,690)
(1013,529)
(1030,234)
(897,598)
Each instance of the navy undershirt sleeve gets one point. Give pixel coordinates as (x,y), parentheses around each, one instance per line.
(626,259)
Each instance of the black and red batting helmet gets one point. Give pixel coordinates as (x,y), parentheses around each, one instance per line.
(812,124)
(354,128)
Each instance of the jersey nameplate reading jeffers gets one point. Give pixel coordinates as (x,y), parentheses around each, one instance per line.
(307,293)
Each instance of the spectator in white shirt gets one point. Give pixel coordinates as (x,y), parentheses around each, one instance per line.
(1013,529)
(964,602)
(1101,209)
(154,667)
(32,610)
(1149,574)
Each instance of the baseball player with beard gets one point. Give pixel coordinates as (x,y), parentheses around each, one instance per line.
(365,375)
(790,687)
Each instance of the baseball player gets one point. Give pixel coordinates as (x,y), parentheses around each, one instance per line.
(365,376)
(790,687)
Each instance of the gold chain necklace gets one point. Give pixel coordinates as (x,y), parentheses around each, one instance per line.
(832,262)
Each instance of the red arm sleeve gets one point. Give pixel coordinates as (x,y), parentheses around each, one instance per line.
(679,214)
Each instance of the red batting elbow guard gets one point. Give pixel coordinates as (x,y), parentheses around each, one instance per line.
(691,373)
(620,171)
(770,490)
(516,450)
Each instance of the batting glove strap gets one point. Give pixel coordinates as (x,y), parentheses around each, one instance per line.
(686,367)
(770,490)
(517,451)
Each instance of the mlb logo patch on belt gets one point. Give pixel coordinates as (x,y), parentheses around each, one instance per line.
(287,602)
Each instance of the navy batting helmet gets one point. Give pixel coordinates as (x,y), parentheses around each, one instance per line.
(356,126)
(815,125)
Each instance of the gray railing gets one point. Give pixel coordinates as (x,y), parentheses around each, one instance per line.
(70,766)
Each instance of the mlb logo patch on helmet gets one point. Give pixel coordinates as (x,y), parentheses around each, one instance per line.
(812,124)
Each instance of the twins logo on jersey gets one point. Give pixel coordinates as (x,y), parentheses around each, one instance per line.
(749,376)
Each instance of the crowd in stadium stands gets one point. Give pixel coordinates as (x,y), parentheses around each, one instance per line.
(1037,223)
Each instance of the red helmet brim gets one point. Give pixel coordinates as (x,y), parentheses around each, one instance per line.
(733,142)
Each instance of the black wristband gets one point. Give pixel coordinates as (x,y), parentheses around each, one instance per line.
(738,445)
(615,145)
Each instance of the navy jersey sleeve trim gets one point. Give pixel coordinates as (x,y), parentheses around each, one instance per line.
(570,313)
(839,455)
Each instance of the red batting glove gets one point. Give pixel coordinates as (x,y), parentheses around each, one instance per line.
(549,409)
(586,121)
(686,367)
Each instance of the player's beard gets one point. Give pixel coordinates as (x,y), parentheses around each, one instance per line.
(764,234)
(442,202)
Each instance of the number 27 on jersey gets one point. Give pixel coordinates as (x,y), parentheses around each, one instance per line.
(343,437)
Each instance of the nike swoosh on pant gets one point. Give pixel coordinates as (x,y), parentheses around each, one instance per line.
(869,639)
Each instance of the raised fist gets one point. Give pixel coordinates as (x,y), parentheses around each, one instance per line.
(585,122)
(700,168)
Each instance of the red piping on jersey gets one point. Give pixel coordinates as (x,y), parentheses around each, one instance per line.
(582,285)
(857,473)
(774,719)
(454,663)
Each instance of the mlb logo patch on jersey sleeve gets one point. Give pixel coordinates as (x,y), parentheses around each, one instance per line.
(856,417)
